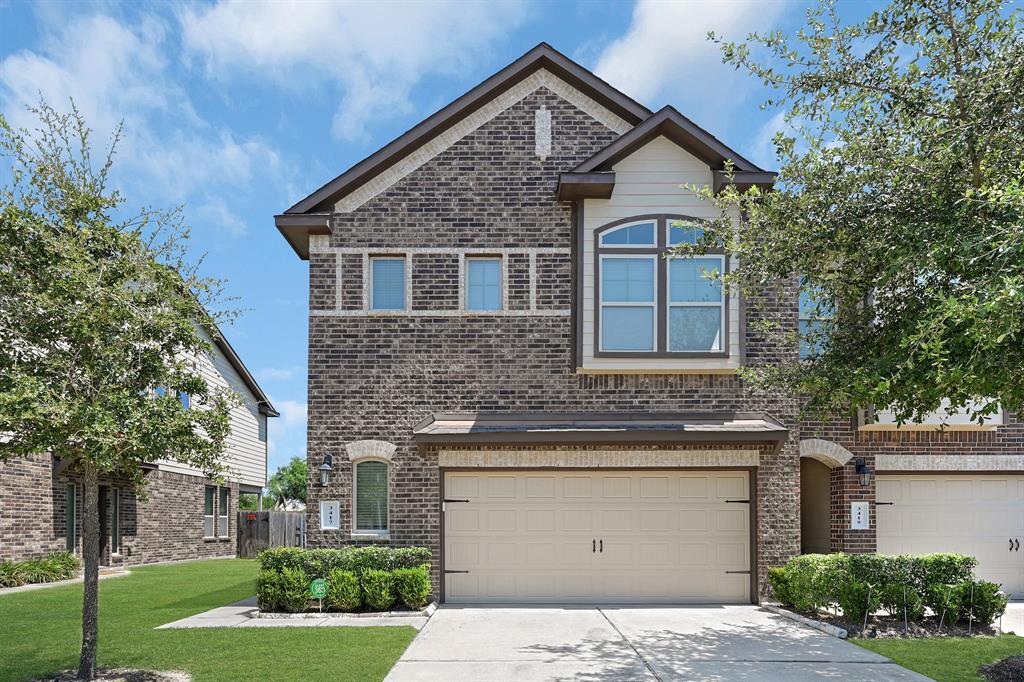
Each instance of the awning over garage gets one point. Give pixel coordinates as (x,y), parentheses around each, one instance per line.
(573,427)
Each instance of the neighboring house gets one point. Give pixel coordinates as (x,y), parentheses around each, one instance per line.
(184,515)
(504,368)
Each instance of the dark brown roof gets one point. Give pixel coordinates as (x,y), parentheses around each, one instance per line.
(541,57)
(568,427)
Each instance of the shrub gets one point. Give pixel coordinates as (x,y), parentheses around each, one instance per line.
(268,590)
(413,585)
(51,568)
(378,588)
(949,569)
(294,590)
(894,597)
(319,563)
(983,599)
(11,574)
(944,601)
(343,592)
(814,580)
(857,599)
(778,578)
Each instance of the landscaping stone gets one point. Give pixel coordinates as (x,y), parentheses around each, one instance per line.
(123,675)
(1007,670)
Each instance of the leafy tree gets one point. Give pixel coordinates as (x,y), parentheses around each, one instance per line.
(250,502)
(899,207)
(96,313)
(288,484)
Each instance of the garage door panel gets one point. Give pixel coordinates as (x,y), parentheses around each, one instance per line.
(530,537)
(973,515)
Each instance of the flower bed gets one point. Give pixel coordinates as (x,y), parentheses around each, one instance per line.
(357,578)
(50,569)
(918,595)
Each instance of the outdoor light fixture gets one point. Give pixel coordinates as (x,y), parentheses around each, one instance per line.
(325,470)
(863,473)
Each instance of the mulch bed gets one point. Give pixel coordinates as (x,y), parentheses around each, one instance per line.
(1007,670)
(884,627)
(122,675)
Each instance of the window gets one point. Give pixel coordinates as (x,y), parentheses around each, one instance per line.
(70,524)
(160,391)
(211,492)
(185,399)
(814,313)
(115,521)
(696,307)
(483,284)
(651,303)
(371,498)
(223,507)
(627,303)
(262,426)
(387,283)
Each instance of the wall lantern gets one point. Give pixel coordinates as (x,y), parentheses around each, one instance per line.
(863,473)
(325,470)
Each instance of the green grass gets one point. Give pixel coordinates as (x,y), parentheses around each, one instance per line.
(947,659)
(40,631)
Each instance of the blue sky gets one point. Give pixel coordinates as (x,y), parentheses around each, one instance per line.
(236,110)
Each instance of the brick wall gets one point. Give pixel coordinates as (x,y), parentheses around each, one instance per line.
(166,524)
(375,377)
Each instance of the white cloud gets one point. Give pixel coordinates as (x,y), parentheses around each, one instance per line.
(287,433)
(215,214)
(665,52)
(375,53)
(116,72)
(279,373)
(293,413)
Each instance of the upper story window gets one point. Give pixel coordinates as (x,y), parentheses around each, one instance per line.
(814,312)
(483,284)
(370,511)
(387,283)
(653,304)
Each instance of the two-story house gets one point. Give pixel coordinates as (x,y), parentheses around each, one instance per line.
(505,367)
(183,514)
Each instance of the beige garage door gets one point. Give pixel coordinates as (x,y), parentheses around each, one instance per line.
(597,537)
(978,515)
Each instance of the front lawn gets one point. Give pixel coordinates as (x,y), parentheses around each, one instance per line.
(40,631)
(946,659)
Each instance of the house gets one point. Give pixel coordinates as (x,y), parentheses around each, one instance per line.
(183,515)
(504,368)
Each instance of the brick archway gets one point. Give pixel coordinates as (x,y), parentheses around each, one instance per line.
(828,453)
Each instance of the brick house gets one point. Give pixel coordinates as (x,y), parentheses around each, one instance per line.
(183,515)
(504,368)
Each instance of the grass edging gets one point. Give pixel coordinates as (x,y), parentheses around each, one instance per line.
(827,628)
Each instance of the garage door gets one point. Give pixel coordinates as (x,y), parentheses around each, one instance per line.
(978,515)
(597,537)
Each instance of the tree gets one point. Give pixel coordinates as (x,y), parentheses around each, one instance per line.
(288,484)
(898,210)
(96,313)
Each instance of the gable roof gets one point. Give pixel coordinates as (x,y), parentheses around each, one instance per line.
(262,401)
(543,56)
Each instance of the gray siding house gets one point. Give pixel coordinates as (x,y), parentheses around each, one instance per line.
(505,368)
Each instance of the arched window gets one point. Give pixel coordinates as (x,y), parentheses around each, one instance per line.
(650,304)
(371,481)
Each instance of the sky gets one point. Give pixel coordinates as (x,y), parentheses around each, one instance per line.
(236,110)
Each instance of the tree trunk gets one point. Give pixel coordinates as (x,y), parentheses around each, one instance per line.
(91,557)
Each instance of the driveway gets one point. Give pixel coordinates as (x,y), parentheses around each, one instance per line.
(635,643)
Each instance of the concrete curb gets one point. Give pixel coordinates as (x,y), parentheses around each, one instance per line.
(426,612)
(58,583)
(832,630)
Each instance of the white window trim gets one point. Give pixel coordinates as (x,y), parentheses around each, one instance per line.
(225,516)
(356,531)
(213,516)
(629,304)
(722,321)
(407,276)
(617,228)
(501,284)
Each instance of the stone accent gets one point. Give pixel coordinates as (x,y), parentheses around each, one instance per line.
(829,454)
(966,463)
(620,458)
(542,132)
(432,148)
(370,448)
(164,525)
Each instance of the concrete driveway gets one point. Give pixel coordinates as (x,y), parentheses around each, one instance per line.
(635,643)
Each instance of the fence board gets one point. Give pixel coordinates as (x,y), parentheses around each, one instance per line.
(258,531)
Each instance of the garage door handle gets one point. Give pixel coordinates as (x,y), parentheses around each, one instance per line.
(1016,545)
(602,546)
(593,546)
(884,504)
(447,572)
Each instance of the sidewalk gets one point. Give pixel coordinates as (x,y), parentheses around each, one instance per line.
(242,614)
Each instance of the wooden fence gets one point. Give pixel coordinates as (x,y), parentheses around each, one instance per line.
(258,531)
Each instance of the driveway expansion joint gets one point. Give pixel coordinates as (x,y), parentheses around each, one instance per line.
(630,644)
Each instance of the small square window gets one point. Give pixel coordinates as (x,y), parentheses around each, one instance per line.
(483,284)
(387,284)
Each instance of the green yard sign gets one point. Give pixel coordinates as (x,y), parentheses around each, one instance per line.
(318,588)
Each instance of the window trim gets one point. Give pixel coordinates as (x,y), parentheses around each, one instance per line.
(223,513)
(405,260)
(356,531)
(631,223)
(653,304)
(669,305)
(213,516)
(663,222)
(467,259)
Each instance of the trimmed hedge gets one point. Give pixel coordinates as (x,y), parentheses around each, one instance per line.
(49,569)
(318,563)
(945,583)
(371,577)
